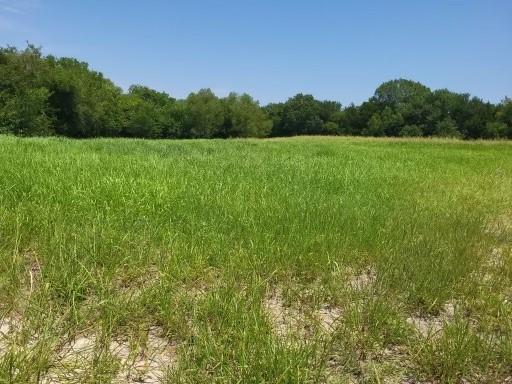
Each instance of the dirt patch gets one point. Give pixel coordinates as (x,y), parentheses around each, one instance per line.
(9,325)
(500,225)
(363,280)
(291,321)
(285,320)
(429,326)
(495,258)
(148,362)
(329,316)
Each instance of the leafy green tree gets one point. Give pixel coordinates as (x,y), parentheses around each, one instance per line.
(375,126)
(301,115)
(24,105)
(331,128)
(401,91)
(138,118)
(495,130)
(447,128)
(27,113)
(407,99)
(86,104)
(478,114)
(385,123)
(504,115)
(149,113)
(354,120)
(411,131)
(245,118)
(329,111)
(304,115)
(44,95)
(174,117)
(275,112)
(204,115)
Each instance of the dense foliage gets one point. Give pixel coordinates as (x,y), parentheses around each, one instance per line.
(45,95)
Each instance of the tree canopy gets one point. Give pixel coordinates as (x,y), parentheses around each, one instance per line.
(44,95)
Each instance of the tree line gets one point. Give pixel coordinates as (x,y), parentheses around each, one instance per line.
(45,95)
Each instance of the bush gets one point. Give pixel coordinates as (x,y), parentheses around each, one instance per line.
(495,130)
(411,131)
(447,128)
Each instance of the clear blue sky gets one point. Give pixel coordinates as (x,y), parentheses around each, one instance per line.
(272,49)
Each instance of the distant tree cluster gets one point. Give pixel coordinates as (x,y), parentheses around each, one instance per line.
(44,95)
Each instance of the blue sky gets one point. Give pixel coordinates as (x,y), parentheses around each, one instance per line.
(340,50)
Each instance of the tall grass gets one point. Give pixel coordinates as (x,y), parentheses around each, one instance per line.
(113,237)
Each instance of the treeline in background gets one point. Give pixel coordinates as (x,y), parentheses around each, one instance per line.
(44,95)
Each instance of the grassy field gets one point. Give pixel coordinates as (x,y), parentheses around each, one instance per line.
(302,260)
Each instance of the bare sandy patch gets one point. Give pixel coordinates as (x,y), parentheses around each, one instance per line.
(9,325)
(291,321)
(362,280)
(428,326)
(500,225)
(148,362)
(285,320)
(329,316)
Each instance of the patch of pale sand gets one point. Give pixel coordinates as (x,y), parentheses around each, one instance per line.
(9,325)
(329,316)
(362,280)
(5,330)
(146,364)
(149,364)
(288,321)
(72,360)
(284,319)
(495,259)
(500,225)
(428,326)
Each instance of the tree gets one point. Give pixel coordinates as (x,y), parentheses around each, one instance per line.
(411,131)
(275,113)
(301,115)
(504,115)
(375,126)
(204,115)
(27,113)
(149,113)
(447,128)
(85,103)
(354,120)
(478,114)
(45,95)
(24,106)
(245,118)
(304,115)
(495,130)
(394,92)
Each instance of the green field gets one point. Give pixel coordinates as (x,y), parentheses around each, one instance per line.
(302,260)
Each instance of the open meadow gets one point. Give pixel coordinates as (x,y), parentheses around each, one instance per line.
(299,260)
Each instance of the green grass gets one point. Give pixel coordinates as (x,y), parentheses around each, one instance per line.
(230,251)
